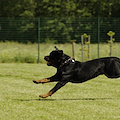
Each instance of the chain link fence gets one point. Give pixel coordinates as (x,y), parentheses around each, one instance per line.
(58,30)
(18,29)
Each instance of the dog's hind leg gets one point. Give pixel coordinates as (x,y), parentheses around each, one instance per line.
(113,70)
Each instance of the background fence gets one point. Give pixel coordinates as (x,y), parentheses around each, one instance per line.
(58,30)
(18,29)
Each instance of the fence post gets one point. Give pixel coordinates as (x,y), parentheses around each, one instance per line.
(73,47)
(88,47)
(111,34)
(98,36)
(111,40)
(38,40)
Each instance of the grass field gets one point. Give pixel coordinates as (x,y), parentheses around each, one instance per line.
(12,52)
(97,99)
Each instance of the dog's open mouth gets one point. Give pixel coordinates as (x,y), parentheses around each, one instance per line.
(48,60)
(48,63)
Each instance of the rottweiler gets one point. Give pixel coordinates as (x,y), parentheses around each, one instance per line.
(70,70)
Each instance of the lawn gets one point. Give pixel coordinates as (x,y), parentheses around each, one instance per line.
(13,52)
(97,99)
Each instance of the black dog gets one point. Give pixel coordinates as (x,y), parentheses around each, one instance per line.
(69,70)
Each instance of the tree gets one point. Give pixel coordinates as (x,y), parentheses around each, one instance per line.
(19,8)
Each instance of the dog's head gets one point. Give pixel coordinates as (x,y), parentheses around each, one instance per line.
(55,58)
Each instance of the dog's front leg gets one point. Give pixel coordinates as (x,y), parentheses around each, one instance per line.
(46,95)
(52,91)
(46,80)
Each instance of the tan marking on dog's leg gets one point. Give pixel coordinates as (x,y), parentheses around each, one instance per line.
(41,81)
(45,80)
(46,95)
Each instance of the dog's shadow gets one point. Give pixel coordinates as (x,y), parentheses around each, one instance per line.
(72,99)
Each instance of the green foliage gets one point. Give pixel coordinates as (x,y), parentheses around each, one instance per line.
(111,33)
(59,8)
(68,19)
(85,35)
(56,30)
(22,8)
(18,29)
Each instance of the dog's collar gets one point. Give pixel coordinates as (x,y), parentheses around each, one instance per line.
(67,61)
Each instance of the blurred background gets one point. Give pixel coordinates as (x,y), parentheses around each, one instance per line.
(30,28)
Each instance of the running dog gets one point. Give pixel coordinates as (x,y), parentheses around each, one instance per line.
(70,70)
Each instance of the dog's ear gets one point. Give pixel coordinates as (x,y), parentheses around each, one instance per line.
(56,48)
(61,52)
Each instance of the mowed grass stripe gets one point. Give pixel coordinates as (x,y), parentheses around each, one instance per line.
(97,99)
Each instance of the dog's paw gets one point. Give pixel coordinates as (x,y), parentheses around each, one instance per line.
(46,95)
(43,96)
(36,81)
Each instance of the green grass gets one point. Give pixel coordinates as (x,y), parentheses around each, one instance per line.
(12,52)
(16,52)
(97,99)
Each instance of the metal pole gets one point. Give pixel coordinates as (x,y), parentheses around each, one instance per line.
(98,37)
(38,40)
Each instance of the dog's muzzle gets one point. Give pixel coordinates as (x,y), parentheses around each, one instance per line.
(48,60)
